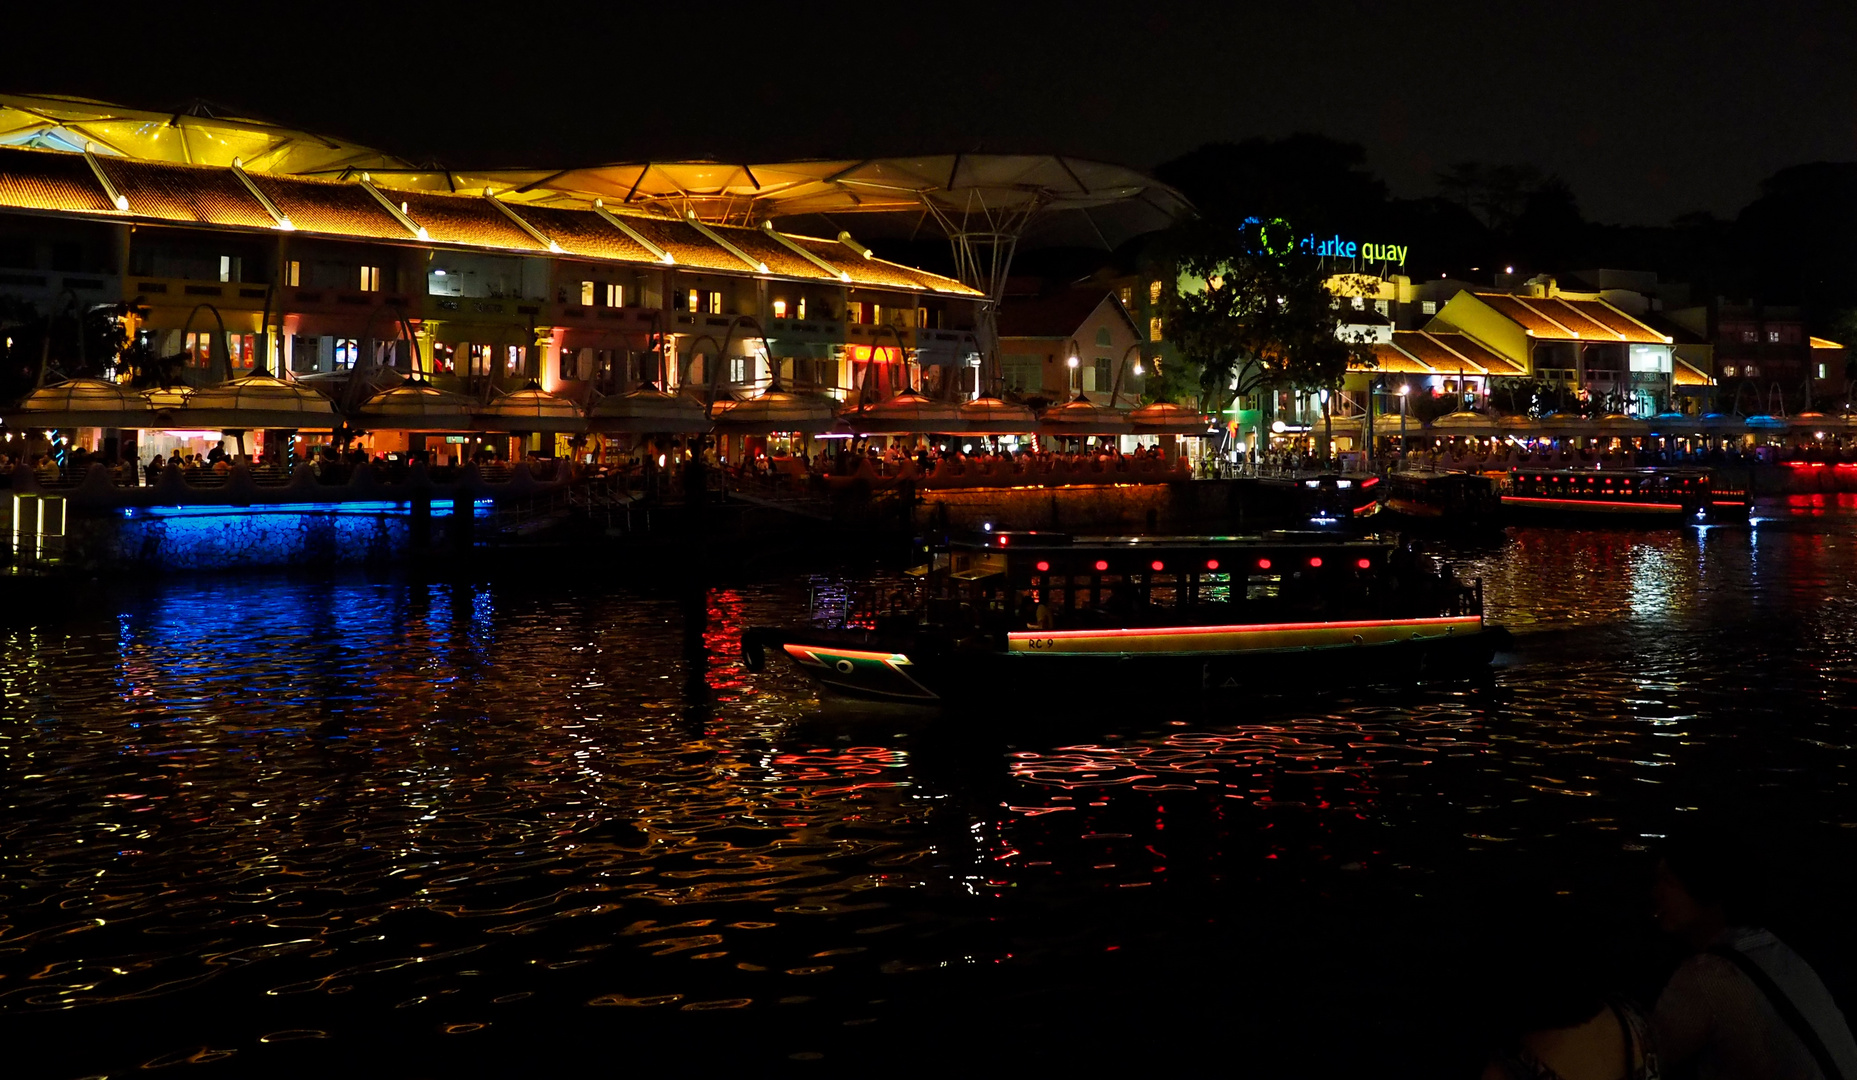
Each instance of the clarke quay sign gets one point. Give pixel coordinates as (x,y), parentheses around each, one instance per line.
(1336,247)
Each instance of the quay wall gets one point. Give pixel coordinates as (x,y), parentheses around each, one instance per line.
(1196,506)
(240,539)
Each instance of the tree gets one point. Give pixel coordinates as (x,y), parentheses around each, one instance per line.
(1251,311)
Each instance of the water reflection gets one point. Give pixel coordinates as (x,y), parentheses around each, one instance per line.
(283,820)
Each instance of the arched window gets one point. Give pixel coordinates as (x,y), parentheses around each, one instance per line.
(1102,336)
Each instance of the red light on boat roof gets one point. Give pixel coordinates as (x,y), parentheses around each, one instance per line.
(1263,564)
(1315,560)
(1364,563)
(1043,566)
(1212,564)
(1003,539)
(1102,564)
(1157,565)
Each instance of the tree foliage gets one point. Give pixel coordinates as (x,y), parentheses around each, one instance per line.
(1248,311)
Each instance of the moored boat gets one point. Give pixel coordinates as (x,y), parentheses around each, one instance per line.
(1050,616)
(1441,497)
(1655,496)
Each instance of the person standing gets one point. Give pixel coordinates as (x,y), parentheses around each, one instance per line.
(1745,1004)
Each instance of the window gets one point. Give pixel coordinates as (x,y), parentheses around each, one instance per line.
(714,297)
(442,354)
(923,318)
(569,363)
(1022,372)
(1154,292)
(1821,371)
(1100,375)
(1126,294)
(1428,307)
(738,369)
(854,311)
(799,309)
(370,279)
(515,359)
(1751,371)
(347,351)
(586,294)
(1728,370)
(1359,303)
(226,268)
(780,309)
(480,358)
(1773,336)
(293,273)
(1154,328)
(1748,335)
(1380,306)
(615,295)
(695,301)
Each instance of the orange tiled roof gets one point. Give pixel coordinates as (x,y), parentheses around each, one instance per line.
(182,193)
(1825,343)
(580,232)
(464,219)
(1689,375)
(1427,352)
(49,180)
(326,206)
(1624,326)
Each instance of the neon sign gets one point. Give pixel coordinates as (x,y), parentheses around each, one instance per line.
(1338,248)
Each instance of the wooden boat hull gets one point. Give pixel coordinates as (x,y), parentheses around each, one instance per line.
(1081,666)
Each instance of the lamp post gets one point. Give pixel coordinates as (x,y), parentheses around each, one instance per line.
(1404,389)
(1073,363)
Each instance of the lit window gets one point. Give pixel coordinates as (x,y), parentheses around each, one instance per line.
(1747,335)
(1428,307)
(615,295)
(514,359)
(370,279)
(780,309)
(442,358)
(293,273)
(1773,335)
(225,268)
(854,311)
(696,301)
(1751,371)
(586,294)
(1728,370)
(347,351)
(1359,302)
(1154,292)
(1154,328)
(1380,306)
(1821,371)
(1126,294)
(715,302)
(480,358)
(922,317)
(799,310)
(876,314)
(738,369)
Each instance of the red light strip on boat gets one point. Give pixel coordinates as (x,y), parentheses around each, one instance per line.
(1673,507)
(1159,631)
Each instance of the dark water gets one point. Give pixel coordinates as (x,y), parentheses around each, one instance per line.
(269,826)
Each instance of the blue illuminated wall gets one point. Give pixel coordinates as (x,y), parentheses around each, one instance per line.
(210,538)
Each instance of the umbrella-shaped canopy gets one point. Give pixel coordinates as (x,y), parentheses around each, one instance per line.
(77,403)
(1166,418)
(1721,421)
(417,406)
(1567,424)
(1080,416)
(908,413)
(530,409)
(252,402)
(1620,424)
(648,411)
(991,416)
(168,397)
(777,410)
(1766,423)
(1814,421)
(1675,422)
(1463,420)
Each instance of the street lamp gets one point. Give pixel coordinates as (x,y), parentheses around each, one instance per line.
(1073,362)
(1404,389)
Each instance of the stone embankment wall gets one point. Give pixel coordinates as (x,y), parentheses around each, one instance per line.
(1196,506)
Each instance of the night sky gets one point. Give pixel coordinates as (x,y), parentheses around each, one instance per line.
(1647,110)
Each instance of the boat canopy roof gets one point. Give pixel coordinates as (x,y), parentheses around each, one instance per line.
(1039,540)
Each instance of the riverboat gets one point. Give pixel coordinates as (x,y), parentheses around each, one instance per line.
(1656,496)
(1049,616)
(1442,497)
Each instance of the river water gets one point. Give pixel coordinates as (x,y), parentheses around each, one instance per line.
(280,826)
